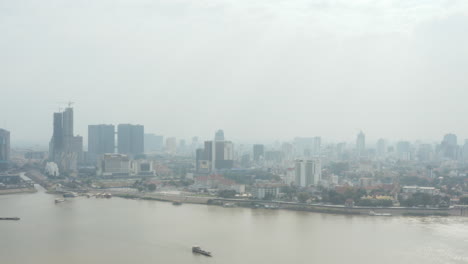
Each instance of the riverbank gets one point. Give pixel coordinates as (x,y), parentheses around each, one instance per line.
(318,208)
(18,190)
(37,177)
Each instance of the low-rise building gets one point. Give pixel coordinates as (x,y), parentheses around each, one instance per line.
(142,168)
(216,181)
(418,189)
(114,165)
(52,169)
(268,190)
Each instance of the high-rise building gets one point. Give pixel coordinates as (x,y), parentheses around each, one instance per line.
(308,146)
(317,147)
(194,145)
(4,149)
(65,149)
(223,155)
(361,144)
(209,150)
(465,151)
(199,157)
(171,145)
(404,150)
(101,140)
(308,172)
(450,139)
(258,152)
(425,152)
(57,137)
(182,146)
(217,154)
(274,156)
(130,139)
(381,147)
(219,135)
(153,143)
(67,116)
(449,148)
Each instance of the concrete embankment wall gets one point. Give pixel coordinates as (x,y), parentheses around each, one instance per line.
(164,197)
(354,210)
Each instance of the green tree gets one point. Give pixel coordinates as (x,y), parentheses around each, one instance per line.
(227,193)
(464,200)
(289,191)
(303,197)
(339,167)
(151,187)
(268,196)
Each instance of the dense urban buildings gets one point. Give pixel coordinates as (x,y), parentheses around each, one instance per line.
(130,139)
(101,140)
(4,149)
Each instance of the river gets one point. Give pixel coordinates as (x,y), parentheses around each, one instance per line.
(90,230)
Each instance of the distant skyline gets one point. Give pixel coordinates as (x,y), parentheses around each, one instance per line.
(259,70)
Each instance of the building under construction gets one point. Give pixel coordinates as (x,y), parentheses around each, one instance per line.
(65,149)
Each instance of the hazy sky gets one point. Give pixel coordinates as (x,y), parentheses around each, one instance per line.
(270,69)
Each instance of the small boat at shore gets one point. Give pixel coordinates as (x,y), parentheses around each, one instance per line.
(58,200)
(372,213)
(198,250)
(176,203)
(10,218)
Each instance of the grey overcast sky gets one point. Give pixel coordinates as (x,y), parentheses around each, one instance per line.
(259,69)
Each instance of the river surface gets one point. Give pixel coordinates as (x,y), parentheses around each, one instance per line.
(90,230)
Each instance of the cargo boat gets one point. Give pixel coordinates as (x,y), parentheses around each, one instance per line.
(197,249)
(10,218)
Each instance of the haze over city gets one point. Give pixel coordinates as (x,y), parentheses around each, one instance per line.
(234,131)
(260,70)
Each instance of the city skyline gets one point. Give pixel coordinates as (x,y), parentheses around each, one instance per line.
(372,140)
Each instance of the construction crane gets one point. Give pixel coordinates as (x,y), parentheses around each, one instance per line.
(69,103)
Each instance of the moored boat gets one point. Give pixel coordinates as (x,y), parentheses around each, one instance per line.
(176,203)
(372,213)
(70,195)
